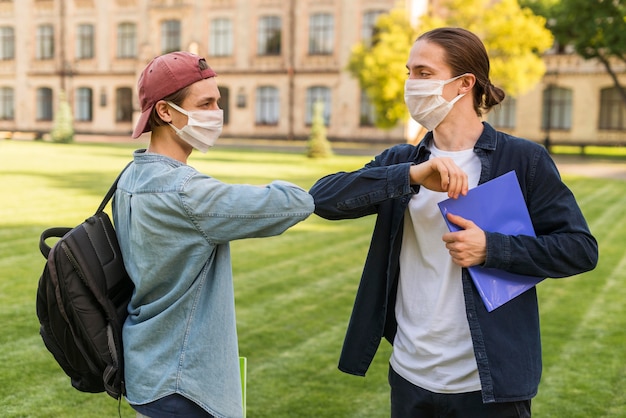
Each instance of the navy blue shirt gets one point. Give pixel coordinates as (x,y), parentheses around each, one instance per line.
(506,341)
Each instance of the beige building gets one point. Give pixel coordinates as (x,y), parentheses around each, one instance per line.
(274,58)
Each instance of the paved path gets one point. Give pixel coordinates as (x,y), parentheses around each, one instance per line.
(590,166)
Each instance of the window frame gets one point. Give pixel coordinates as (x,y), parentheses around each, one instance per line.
(84,104)
(267,106)
(7,43)
(321,34)
(126,40)
(221,37)
(269,35)
(44,49)
(85,41)
(313,94)
(171,35)
(44,107)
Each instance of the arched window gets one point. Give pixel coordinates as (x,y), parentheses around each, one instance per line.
(557,108)
(503,115)
(267,106)
(612,110)
(7,103)
(84,104)
(44,104)
(124,104)
(314,94)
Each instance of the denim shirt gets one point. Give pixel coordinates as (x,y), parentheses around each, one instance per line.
(506,341)
(174,225)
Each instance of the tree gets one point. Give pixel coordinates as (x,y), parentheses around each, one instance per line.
(513,35)
(62,128)
(379,64)
(596,29)
(318,145)
(514,38)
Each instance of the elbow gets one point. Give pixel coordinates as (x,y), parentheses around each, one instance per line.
(592,253)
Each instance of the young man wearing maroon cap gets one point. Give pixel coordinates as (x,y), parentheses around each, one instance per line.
(174,226)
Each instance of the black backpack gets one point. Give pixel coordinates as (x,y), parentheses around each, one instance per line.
(82,297)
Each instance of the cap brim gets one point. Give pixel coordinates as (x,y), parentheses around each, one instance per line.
(142,123)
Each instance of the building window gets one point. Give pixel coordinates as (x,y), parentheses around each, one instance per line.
(557,108)
(124,104)
(269,36)
(369,24)
(367,113)
(170,36)
(44,104)
(126,40)
(225,102)
(84,104)
(85,41)
(321,34)
(314,94)
(267,106)
(612,110)
(7,43)
(45,42)
(7,105)
(503,115)
(221,38)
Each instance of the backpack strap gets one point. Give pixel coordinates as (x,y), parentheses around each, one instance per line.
(111,191)
(59,232)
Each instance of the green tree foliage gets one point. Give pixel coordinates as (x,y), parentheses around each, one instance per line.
(513,35)
(318,145)
(595,28)
(63,129)
(380,66)
(514,38)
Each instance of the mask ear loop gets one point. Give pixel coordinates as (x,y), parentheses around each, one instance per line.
(180,109)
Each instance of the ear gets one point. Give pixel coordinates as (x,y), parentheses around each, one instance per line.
(467,83)
(163,110)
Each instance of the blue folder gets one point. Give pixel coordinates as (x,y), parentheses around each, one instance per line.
(495,206)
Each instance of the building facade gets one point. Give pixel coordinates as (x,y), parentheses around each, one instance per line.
(274,59)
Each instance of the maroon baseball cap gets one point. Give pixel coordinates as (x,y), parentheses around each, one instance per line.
(165,75)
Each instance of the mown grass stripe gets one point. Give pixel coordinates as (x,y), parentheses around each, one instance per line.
(591,345)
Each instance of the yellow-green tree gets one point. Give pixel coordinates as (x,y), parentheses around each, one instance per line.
(513,36)
(380,66)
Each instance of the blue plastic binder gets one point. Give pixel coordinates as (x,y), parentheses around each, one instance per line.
(495,206)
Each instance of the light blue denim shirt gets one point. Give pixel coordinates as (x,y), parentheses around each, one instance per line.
(174,225)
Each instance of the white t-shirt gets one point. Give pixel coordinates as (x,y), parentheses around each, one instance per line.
(433,347)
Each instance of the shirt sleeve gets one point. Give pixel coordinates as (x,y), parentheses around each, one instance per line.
(346,195)
(227,212)
(563,246)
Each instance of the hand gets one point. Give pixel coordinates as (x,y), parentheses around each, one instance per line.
(440,175)
(467,247)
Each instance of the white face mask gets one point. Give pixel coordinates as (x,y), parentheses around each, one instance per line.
(425,101)
(202,129)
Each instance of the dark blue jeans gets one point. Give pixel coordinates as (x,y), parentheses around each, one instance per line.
(410,401)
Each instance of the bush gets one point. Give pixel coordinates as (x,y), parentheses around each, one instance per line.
(63,129)
(318,145)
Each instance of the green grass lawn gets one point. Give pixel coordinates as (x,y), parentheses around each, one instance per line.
(294,293)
